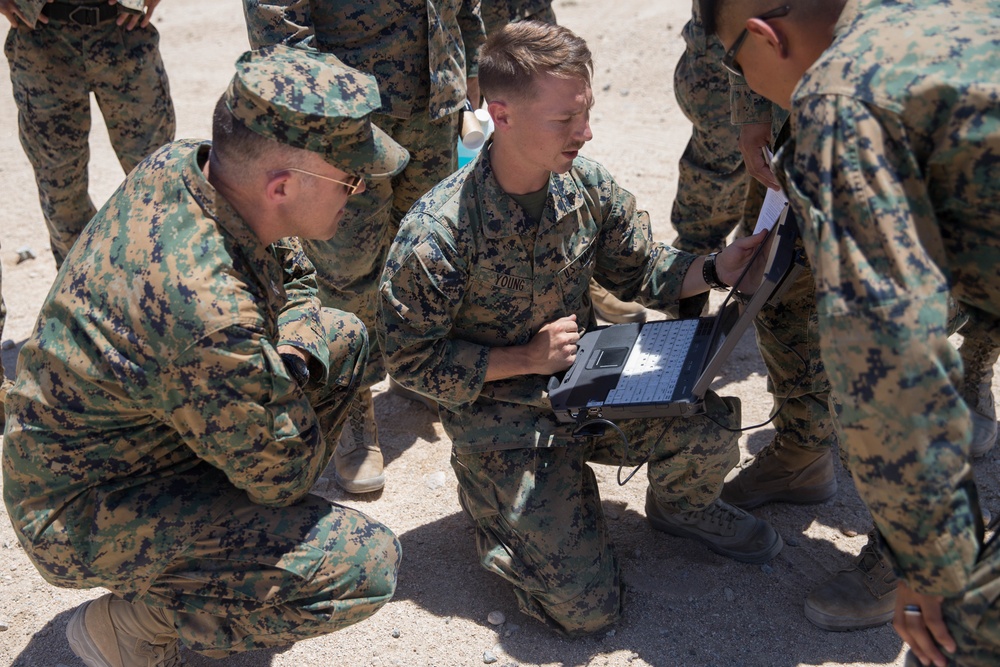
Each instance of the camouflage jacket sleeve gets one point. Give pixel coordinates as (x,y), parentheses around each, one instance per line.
(746,106)
(278,22)
(233,402)
(422,294)
(883,312)
(299,323)
(630,263)
(470,22)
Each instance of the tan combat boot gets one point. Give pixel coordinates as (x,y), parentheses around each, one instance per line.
(726,530)
(110,632)
(358,460)
(861,596)
(610,309)
(978,358)
(783,472)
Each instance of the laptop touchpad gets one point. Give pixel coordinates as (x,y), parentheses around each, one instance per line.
(609,357)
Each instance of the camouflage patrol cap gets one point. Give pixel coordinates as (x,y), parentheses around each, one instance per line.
(313,101)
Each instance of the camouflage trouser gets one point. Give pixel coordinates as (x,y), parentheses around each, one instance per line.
(262,577)
(539,522)
(498,13)
(715,195)
(5,384)
(348,266)
(53,69)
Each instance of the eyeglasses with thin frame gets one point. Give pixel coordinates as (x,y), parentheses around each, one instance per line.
(351,187)
(729,60)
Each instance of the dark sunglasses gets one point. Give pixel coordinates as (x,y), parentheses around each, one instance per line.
(729,60)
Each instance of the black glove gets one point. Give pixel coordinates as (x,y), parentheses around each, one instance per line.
(297,368)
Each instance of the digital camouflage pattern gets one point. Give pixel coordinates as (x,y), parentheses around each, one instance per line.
(313,102)
(539,520)
(716,195)
(498,13)
(152,409)
(421,53)
(53,69)
(5,384)
(895,172)
(469,271)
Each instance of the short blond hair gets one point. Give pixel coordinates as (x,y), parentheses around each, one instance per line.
(514,55)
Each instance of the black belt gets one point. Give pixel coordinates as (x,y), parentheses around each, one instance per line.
(80,14)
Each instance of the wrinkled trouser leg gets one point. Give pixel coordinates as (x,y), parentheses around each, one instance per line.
(262,577)
(53,69)
(539,520)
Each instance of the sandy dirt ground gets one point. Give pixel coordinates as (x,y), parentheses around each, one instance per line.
(685,606)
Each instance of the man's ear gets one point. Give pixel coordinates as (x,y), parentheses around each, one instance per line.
(771,34)
(500,113)
(278,187)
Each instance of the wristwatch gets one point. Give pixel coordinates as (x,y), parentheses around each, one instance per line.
(710,275)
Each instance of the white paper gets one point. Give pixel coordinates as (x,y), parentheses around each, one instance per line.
(775,203)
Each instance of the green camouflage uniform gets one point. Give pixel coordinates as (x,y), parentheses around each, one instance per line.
(53,69)
(715,194)
(498,13)
(895,173)
(415,51)
(157,445)
(470,271)
(4,382)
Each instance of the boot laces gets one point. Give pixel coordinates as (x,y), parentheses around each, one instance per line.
(719,514)
(771,448)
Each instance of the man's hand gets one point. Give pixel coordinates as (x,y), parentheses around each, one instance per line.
(296,362)
(135,19)
(551,350)
(754,137)
(729,263)
(925,632)
(14,15)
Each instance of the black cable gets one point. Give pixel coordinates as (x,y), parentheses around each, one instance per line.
(625,442)
(798,383)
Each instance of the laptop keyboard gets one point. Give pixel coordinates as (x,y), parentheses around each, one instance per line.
(652,370)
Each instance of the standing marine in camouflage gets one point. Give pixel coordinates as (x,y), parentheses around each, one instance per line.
(714,196)
(182,389)
(483,298)
(423,53)
(59,53)
(894,169)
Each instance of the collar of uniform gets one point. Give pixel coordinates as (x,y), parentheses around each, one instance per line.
(257,255)
(502,216)
(847,16)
